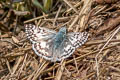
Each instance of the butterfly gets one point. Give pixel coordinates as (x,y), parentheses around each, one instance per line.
(52,45)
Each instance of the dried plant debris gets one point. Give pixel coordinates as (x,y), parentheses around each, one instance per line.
(97,59)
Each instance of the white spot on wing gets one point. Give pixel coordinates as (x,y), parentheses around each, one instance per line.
(43,44)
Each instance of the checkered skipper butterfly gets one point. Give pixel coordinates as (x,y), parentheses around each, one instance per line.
(52,45)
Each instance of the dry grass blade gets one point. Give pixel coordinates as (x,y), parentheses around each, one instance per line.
(57,15)
(71,6)
(41,17)
(21,69)
(42,68)
(60,71)
(94,42)
(85,9)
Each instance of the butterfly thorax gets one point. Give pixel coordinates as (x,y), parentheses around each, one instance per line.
(60,37)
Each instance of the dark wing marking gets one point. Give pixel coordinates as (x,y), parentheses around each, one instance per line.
(36,34)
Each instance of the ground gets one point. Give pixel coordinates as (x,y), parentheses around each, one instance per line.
(97,59)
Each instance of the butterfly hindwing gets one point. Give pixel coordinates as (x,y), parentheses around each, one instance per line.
(73,41)
(66,49)
(43,51)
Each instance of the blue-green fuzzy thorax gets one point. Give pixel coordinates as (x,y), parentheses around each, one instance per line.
(59,38)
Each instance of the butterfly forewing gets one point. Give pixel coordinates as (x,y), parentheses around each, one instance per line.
(78,38)
(36,34)
(42,39)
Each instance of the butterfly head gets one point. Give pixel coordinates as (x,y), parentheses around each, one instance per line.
(63,30)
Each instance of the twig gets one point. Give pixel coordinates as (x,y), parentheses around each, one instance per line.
(71,6)
(22,65)
(60,70)
(57,15)
(42,17)
(83,11)
(95,42)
